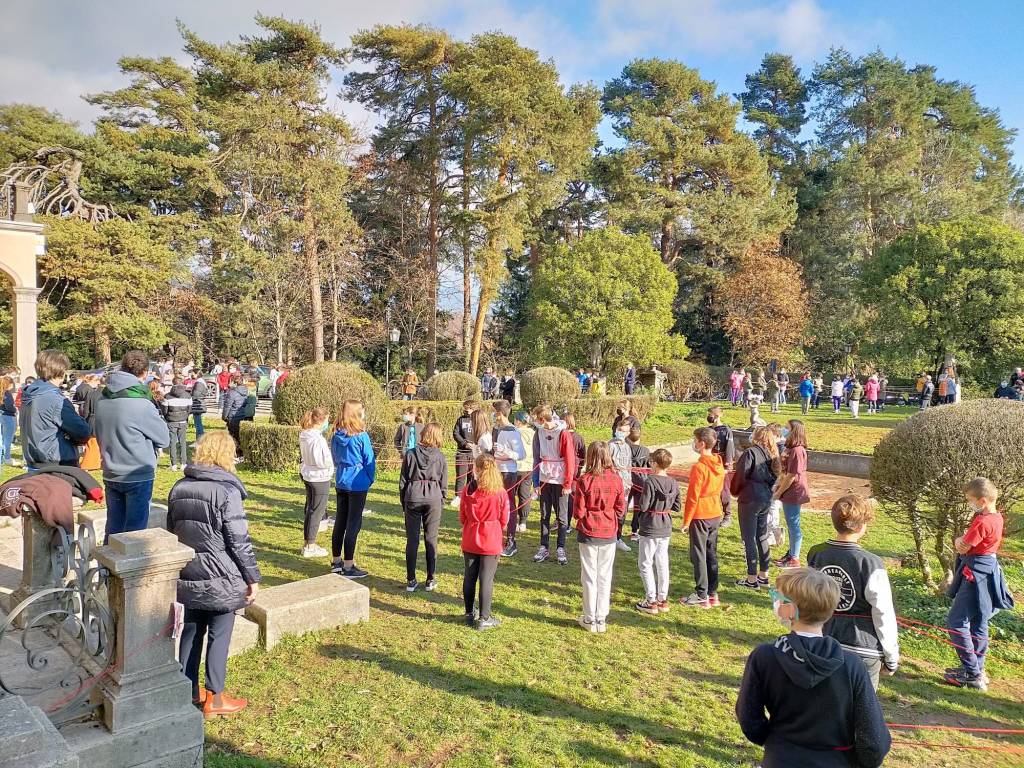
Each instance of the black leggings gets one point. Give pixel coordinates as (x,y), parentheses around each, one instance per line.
(316,506)
(524,493)
(479,568)
(348,523)
(427,517)
(754,530)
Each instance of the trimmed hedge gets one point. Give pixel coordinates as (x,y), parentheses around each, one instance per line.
(270,447)
(548,385)
(329,385)
(452,385)
(688,381)
(600,411)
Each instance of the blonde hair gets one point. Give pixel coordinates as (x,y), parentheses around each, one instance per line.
(765,438)
(599,460)
(217,449)
(488,478)
(982,488)
(481,426)
(850,512)
(6,384)
(350,420)
(431,435)
(313,418)
(815,594)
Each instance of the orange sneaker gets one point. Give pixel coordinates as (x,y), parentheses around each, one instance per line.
(228,706)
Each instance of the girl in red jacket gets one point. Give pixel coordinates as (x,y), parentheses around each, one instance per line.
(483,511)
(598,506)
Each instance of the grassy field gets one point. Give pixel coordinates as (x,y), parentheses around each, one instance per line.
(415,687)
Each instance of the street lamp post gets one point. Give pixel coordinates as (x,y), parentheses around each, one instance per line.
(394,335)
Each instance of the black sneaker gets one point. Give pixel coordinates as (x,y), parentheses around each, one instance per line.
(510,550)
(489,623)
(337,568)
(762,581)
(354,573)
(411,586)
(962,679)
(748,584)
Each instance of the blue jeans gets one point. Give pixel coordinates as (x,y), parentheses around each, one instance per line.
(796,536)
(8,426)
(127,506)
(968,627)
(198,419)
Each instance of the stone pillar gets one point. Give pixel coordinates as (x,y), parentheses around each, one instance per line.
(25,339)
(37,572)
(146,698)
(22,211)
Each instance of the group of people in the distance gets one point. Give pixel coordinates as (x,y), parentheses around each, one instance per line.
(751,389)
(1012,387)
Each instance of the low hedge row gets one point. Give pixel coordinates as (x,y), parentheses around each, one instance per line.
(275,447)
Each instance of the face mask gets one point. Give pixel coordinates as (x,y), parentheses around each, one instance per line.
(620,435)
(785,432)
(779,600)
(325,426)
(711,419)
(407,418)
(977,508)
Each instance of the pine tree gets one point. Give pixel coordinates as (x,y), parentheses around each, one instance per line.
(776,102)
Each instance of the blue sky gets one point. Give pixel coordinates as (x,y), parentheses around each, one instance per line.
(57,50)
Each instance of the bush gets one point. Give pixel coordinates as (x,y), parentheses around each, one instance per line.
(271,447)
(919,470)
(452,385)
(444,412)
(548,385)
(688,381)
(600,411)
(330,385)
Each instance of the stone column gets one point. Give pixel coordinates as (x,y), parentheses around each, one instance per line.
(145,684)
(25,332)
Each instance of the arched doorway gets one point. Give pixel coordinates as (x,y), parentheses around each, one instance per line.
(21,241)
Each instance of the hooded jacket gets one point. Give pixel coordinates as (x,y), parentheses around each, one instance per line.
(204,510)
(462,434)
(89,397)
(233,401)
(704,491)
(355,467)
(317,463)
(484,516)
(424,477)
(753,479)
(177,405)
(50,426)
(508,442)
(199,396)
(402,436)
(811,705)
(129,429)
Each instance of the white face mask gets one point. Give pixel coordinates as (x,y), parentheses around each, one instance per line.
(783,620)
(325,426)
(407,418)
(621,435)
(977,508)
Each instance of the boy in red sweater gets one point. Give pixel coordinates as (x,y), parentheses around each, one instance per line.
(598,506)
(702,515)
(554,467)
(483,512)
(979,588)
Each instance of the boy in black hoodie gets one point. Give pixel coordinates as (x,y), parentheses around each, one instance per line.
(803,697)
(422,486)
(462,433)
(641,461)
(176,408)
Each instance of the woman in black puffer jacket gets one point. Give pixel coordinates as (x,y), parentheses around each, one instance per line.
(752,484)
(205,512)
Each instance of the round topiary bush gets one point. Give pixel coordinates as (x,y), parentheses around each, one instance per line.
(330,385)
(548,385)
(919,471)
(452,385)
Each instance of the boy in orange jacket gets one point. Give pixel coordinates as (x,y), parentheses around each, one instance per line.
(702,515)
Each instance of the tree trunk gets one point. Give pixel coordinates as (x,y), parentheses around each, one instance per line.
(467,259)
(482,307)
(432,205)
(102,335)
(534,256)
(335,308)
(313,276)
(666,242)
(917,530)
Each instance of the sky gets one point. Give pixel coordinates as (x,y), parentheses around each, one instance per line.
(55,51)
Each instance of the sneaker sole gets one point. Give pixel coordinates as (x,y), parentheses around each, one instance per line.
(355,578)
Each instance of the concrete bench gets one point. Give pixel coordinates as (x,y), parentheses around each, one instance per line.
(323,602)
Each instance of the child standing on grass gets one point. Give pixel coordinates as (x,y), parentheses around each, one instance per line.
(640,461)
(979,588)
(484,513)
(316,471)
(524,468)
(422,486)
(660,498)
(509,450)
(865,618)
(599,506)
(355,469)
(405,435)
(622,460)
(804,698)
(554,461)
(725,448)
(702,516)
(177,407)
(462,433)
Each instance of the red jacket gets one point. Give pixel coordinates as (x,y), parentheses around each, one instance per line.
(483,516)
(598,503)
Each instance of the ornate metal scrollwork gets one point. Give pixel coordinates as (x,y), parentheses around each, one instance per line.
(66,631)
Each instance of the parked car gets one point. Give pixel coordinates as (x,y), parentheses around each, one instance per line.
(259,373)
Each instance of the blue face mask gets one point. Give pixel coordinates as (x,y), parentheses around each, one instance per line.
(621,435)
(785,432)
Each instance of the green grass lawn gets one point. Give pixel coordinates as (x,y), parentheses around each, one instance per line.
(415,687)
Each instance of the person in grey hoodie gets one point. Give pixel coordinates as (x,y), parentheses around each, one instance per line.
(131,431)
(51,428)
(422,487)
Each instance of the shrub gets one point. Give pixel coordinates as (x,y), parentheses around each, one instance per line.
(271,447)
(920,468)
(600,411)
(688,381)
(452,385)
(444,412)
(330,385)
(548,385)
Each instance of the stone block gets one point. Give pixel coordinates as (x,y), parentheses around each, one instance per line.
(29,740)
(305,606)
(245,636)
(174,741)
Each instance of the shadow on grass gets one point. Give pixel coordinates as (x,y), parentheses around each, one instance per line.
(519,699)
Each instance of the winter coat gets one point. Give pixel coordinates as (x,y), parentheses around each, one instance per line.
(598,504)
(402,436)
(355,466)
(233,401)
(199,396)
(806,388)
(704,491)
(508,389)
(424,477)
(317,463)
(753,479)
(483,517)
(177,405)
(88,397)
(129,429)
(9,407)
(50,426)
(871,389)
(204,510)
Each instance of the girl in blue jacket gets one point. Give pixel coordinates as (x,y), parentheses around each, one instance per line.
(355,469)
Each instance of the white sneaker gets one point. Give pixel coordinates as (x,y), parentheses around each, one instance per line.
(587,624)
(601,627)
(314,551)
(455,502)
(324,525)
(622,546)
(521,527)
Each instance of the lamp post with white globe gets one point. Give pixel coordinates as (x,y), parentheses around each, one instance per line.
(394,336)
